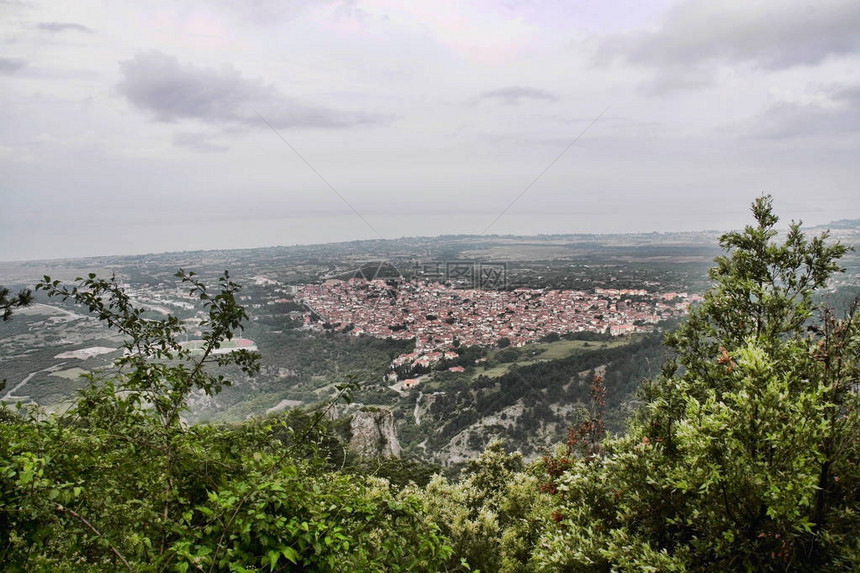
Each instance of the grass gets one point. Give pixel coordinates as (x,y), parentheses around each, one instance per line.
(564,348)
(544,351)
(492,371)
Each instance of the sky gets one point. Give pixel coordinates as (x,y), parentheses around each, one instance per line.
(145,127)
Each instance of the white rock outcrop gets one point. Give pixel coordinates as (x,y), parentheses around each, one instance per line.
(373,434)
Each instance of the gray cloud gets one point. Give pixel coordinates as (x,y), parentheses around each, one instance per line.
(198,142)
(170,91)
(513,95)
(11,65)
(772,35)
(850,95)
(63,27)
(836,110)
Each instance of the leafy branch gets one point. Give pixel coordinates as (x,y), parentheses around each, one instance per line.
(90,526)
(9,302)
(157,364)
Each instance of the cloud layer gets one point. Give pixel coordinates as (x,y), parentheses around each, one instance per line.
(63,27)
(697,35)
(830,111)
(170,91)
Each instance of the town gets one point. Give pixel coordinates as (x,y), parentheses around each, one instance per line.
(441,318)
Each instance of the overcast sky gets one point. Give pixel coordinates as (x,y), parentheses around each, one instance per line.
(137,127)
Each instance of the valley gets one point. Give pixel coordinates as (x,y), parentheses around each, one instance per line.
(457,364)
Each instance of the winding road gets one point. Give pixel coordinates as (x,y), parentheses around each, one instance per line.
(10,395)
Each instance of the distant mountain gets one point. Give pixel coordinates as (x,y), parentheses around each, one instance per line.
(844,224)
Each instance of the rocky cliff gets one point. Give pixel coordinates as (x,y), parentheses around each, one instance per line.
(373,434)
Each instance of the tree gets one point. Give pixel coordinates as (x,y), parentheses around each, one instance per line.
(745,455)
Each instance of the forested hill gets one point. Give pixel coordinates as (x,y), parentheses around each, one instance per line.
(531,406)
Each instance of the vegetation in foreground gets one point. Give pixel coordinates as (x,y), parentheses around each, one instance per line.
(743,457)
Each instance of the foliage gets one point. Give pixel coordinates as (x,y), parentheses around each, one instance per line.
(584,440)
(745,455)
(9,301)
(396,471)
(493,514)
(120,482)
(155,366)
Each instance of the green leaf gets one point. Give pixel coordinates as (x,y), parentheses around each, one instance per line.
(290,554)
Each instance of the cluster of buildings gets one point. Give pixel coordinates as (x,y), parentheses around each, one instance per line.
(440,317)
